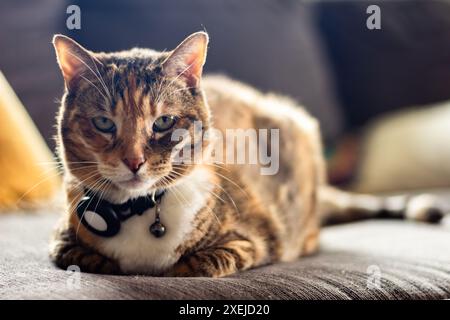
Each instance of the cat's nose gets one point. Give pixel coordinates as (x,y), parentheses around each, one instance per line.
(134,163)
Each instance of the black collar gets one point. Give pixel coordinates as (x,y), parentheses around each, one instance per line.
(103,217)
(135,206)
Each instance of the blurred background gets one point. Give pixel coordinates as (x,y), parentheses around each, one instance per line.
(380,95)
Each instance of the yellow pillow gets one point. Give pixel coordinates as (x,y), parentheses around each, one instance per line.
(27,176)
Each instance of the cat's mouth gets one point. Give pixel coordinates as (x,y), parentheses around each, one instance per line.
(136,182)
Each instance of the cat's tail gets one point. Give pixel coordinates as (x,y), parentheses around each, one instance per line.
(338,206)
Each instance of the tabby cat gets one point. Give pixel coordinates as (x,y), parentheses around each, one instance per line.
(202,218)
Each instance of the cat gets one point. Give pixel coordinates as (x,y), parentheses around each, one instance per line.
(117,116)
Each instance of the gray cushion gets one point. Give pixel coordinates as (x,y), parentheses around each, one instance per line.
(412,260)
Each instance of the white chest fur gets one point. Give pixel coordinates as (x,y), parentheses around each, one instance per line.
(138,251)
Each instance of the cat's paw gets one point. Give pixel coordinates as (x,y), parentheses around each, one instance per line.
(185,270)
(188,268)
(223,260)
(66,252)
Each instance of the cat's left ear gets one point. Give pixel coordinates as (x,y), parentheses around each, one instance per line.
(74,60)
(187,60)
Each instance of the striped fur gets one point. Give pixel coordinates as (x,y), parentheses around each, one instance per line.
(220,218)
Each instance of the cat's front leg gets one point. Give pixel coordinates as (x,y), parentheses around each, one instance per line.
(218,261)
(67,251)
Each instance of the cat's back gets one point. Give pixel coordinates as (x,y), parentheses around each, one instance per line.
(234,104)
(290,189)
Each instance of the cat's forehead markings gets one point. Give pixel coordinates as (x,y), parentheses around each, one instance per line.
(118,109)
(124,97)
(131,90)
(143,100)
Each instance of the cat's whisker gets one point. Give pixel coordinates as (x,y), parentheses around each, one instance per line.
(232,182)
(79,193)
(164,93)
(184,200)
(228,195)
(52,176)
(211,211)
(46,175)
(102,81)
(224,177)
(217,185)
(113,83)
(105,187)
(159,91)
(92,84)
(88,192)
(220,187)
(103,107)
(79,166)
(71,205)
(84,167)
(176,193)
(203,187)
(221,166)
(48,162)
(60,169)
(50,169)
(215,163)
(60,161)
(89,68)
(99,186)
(206,206)
(218,166)
(175,78)
(161,80)
(179,90)
(79,183)
(189,204)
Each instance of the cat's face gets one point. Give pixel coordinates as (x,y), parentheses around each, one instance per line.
(120,110)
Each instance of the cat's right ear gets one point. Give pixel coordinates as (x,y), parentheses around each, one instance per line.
(74,61)
(187,60)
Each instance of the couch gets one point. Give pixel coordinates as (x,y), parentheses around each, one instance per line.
(364,260)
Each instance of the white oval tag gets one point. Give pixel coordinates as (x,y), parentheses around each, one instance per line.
(95,221)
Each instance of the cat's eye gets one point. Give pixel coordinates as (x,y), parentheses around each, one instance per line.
(104,124)
(163,123)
